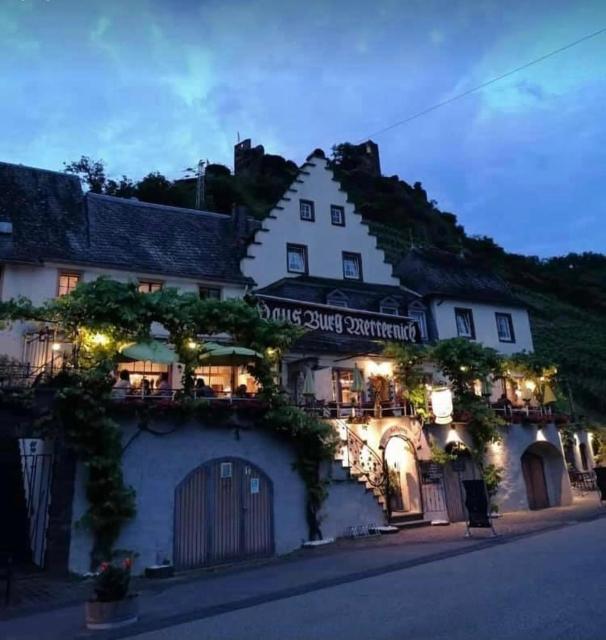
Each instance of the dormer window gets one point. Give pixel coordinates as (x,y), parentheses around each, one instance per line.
(306,210)
(337,299)
(352,266)
(389,306)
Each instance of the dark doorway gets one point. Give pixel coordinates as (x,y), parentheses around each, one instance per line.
(534,477)
(583,452)
(455,472)
(223,511)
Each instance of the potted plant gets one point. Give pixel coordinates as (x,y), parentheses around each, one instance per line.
(112,606)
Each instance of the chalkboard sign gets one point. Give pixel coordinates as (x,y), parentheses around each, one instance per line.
(476,503)
(600,473)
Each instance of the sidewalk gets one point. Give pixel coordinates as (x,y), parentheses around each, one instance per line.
(53,609)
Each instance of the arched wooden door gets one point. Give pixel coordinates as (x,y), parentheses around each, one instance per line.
(223,512)
(455,472)
(534,477)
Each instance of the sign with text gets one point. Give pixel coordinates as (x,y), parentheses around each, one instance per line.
(346,322)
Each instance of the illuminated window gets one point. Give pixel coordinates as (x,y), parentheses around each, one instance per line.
(352,266)
(505,327)
(213,293)
(306,209)
(296,258)
(337,215)
(68,282)
(147,286)
(464,320)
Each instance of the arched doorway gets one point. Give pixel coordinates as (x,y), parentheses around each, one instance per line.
(543,469)
(462,467)
(404,493)
(223,511)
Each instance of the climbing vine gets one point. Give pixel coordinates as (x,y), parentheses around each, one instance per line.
(98,318)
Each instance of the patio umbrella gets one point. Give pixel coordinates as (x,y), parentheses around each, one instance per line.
(309,388)
(211,346)
(150,351)
(229,356)
(357,385)
(548,395)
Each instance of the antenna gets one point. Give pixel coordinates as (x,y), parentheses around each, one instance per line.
(200,185)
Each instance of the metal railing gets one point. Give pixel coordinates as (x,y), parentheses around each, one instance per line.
(361,460)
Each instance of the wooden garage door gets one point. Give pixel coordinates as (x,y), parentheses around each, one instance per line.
(223,512)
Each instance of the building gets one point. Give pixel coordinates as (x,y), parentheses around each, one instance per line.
(311,261)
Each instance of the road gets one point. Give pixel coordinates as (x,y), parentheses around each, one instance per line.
(549,585)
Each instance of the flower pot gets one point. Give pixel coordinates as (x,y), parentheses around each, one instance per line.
(111,615)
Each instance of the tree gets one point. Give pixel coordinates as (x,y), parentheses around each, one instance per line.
(91,173)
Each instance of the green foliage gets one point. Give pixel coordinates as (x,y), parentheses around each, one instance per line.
(314,442)
(439,456)
(464,361)
(408,369)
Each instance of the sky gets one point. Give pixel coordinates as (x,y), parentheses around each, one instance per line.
(155,85)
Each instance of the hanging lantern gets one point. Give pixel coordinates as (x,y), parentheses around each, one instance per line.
(441,403)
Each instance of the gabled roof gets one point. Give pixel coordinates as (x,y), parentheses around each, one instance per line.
(54,221)
(436,273)
(361,295)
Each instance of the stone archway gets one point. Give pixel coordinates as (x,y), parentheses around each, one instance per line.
(404,482)
(544,471)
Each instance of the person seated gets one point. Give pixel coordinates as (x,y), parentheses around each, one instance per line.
(203,390)
(241,391)
(163,388)
(121,387)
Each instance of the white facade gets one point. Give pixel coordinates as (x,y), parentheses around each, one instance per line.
(267,261)
(41,283)
(485,324)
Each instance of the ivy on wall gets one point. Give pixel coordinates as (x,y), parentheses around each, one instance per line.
(98,317)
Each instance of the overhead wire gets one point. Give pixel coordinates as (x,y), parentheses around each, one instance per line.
(443,103)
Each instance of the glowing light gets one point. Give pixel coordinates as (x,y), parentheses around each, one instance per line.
(441,403)
(271,352)
(464,368)
(453,436)
(56,346)
(100,339)
(192,345)
(530,385)
(540,435)
(379,369)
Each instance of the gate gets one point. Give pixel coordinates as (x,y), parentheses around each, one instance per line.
(223,512)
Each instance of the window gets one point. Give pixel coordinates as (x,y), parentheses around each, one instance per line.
(147,286)
(337,299)
(464,320)
(226,470)
(68,282)
(296,258)
(505,327)
(306,209)
(352,266)
(337,215)
(421,319)
(213,293)
(389,306)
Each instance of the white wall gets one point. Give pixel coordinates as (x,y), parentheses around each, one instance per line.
(41,283)
(485,323)
(325,241)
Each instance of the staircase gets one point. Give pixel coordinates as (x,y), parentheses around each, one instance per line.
(361,463)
